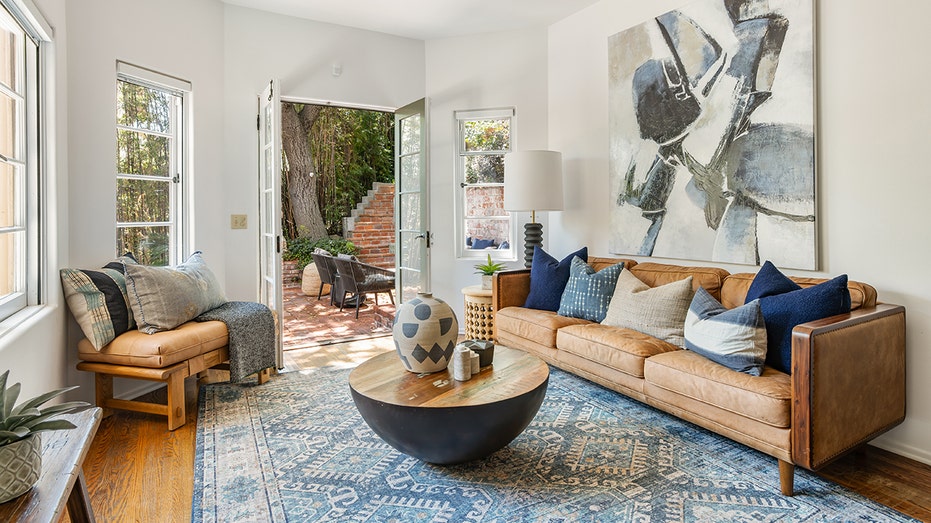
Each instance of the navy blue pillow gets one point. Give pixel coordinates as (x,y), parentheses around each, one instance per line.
(482,244)
(782,312)
(548,278)
(769,282)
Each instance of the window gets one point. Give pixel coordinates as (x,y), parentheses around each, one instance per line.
(150,165)
(19,164)
(484,137)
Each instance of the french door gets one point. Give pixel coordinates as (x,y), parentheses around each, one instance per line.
(270,207)
(412,236)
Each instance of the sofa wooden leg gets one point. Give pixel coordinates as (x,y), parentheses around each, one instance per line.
(103,390)
(786,478)
(176,414)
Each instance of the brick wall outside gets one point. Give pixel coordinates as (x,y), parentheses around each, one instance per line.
(486,201)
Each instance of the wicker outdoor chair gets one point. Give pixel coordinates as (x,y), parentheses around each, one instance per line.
(360,279)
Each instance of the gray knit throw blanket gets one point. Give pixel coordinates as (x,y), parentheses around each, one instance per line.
(251,328)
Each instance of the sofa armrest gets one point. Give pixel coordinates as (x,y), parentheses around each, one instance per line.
(510,289)
(848,382)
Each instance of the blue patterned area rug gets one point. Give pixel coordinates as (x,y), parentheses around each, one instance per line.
(295,449)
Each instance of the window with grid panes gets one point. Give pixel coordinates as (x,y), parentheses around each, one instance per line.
(19,165)
(150,166)
(484,137)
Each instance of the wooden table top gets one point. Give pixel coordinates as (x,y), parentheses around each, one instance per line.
(63,452)
(511,374)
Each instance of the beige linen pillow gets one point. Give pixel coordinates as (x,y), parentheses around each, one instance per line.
(164,297)
(657,311)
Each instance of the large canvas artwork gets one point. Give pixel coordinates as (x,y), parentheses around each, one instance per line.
(711,118)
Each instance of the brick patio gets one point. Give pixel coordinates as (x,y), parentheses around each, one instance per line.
(309,322)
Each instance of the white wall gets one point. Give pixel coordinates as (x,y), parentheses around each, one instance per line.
(182,38)
(34,351)
(872,128)
(377,70)
(506,69)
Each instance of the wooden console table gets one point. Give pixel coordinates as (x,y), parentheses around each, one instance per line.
(61,483)
(479,315)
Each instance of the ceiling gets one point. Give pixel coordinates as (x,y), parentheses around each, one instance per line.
(425,19)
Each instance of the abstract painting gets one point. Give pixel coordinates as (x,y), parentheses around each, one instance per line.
(711,127)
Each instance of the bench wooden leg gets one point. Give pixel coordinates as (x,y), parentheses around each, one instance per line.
(264,375)
(176,414)
(786,478)
(103,389)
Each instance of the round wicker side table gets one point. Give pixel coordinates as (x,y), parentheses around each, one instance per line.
(479,316)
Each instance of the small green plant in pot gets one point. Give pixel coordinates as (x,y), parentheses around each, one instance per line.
(487,270)
(20,425)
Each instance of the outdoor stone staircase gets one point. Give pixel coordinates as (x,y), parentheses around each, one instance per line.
(370,226)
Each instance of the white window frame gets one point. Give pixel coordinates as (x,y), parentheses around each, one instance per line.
(462,252)
(33,156)
(179,216)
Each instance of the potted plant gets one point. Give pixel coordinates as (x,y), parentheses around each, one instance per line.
(20,446)
(487,270)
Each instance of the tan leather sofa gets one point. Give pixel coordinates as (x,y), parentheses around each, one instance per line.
(848,372)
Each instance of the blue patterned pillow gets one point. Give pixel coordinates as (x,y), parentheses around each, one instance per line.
(548,278)
(99,301)
(588,293)
(735,338)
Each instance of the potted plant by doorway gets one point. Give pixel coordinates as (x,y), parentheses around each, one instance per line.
(487,270)
(20,446)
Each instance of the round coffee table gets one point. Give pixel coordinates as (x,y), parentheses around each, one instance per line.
(439,420)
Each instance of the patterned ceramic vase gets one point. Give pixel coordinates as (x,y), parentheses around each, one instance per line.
(20,464)
(425,332)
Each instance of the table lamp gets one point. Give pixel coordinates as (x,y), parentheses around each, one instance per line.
(532,182)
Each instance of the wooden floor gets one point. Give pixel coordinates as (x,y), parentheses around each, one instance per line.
(138,471)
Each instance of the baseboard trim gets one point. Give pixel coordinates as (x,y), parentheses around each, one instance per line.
(907,451)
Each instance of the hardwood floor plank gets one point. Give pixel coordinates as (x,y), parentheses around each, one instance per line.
(136,470)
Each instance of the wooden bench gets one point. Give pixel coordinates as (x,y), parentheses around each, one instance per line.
(169,357)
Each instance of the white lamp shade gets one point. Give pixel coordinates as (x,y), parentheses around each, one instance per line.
(533,181)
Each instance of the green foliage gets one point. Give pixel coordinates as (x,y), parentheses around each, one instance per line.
(141,109)
(352,149)
(492,137)
(488,268)
(20,422)
(302,247)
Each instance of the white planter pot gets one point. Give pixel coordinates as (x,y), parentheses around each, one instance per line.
(486,282)
(425,333)
(20,465)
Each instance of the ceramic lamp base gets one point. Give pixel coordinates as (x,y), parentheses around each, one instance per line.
(533,236)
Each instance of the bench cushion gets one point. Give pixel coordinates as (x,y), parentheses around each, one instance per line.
(161,349)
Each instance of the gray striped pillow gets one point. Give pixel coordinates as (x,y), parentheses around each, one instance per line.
(735,338)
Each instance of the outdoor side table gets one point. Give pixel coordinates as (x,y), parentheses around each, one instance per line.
(479,315)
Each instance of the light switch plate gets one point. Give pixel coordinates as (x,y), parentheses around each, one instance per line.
(238,221)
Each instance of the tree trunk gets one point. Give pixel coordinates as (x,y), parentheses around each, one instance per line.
(302,183)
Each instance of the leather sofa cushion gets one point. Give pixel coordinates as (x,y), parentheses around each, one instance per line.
(656,274)
(532,324)
(621,349)
(766,398)
(161,349)
(734,291)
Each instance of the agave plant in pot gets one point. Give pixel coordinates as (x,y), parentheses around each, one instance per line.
(20,444)
(487,270)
